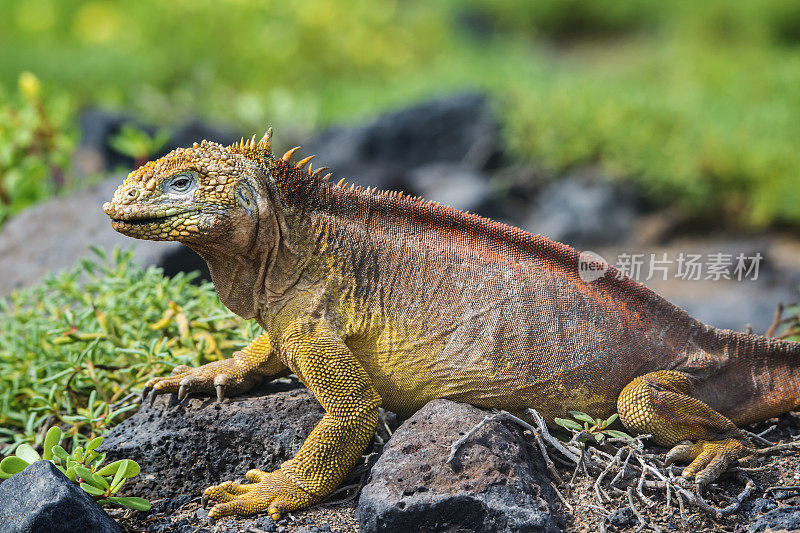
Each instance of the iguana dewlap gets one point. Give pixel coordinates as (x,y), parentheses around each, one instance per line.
(377,299)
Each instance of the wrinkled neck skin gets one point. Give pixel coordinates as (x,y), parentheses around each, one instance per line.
(253,264)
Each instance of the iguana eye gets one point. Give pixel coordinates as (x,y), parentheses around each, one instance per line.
(181,183)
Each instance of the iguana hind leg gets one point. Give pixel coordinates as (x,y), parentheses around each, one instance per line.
(229,377)
(661,403)
(324,363)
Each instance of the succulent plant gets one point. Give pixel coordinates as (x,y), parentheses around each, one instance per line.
(596,428)
(84,466)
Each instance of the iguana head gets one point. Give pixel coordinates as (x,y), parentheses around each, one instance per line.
(196,195)
(221,201)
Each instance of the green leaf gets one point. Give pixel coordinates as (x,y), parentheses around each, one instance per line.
(113,414)
(133,469)
(12,465)
(27,453)
(99,481)
(569,424)
(52,438)
(583,417)
(90,405)
(97,461)
(98,251)
(617,434)
(119,476)
(94,491)
(139,504)
(94,443)
(84,473)
(611,419)
(71,473)
(77,454)
(110,468)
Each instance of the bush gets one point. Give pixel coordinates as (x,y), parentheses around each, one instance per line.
(75,348)
(36,144)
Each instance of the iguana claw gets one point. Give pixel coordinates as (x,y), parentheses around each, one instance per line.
(228,377)
(185,387)
(220,382)
(708,459)
(267,491)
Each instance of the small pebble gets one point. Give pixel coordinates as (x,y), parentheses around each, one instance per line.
(763,505)
(268,525)
(622,518)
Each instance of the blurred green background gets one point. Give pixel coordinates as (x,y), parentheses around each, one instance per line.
(699,102)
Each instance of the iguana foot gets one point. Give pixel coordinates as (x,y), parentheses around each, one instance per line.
(708,459)
(228,377)
(221,377)
(273,492)
(662,403)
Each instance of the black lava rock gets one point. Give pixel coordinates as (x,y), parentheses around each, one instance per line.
(184,448)
(42,499)
(491,485)
(459,129)
(781,519)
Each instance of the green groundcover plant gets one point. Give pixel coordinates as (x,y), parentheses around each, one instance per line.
(594,429)
(76,348)
(83,466)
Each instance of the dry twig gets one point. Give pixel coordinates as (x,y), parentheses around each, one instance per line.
(644,472)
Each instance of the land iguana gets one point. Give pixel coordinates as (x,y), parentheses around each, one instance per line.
(379,299)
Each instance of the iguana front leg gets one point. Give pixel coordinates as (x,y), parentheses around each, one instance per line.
(248,367)
(661,403)
(323,362)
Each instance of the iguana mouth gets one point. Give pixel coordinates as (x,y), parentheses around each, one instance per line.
(141,221)
(145,219)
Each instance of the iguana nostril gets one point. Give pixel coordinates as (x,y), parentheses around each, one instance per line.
(129,195)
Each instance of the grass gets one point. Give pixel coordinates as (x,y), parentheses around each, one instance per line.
(74,348)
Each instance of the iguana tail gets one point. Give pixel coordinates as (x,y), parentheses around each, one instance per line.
(751,377)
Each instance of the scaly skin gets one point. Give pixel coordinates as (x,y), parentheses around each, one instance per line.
(379,299)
